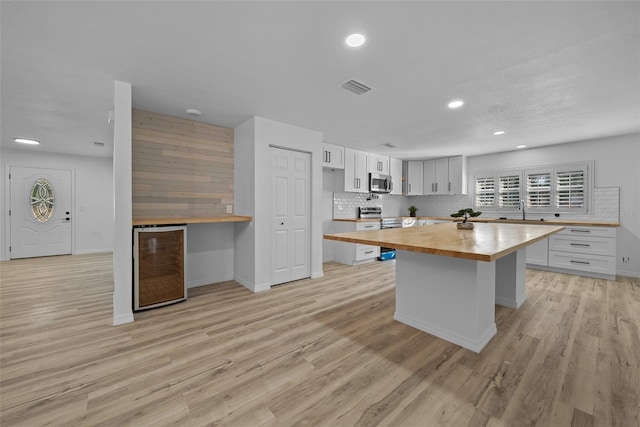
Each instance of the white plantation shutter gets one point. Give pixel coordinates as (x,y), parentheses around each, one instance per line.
(509,191)
(538,184)
(570,188)
(485,191)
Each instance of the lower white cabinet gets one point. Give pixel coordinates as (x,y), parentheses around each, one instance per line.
(353,253)
(538,252)
(585,251)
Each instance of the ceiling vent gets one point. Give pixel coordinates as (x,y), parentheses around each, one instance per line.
(98,144)
(389,145)
(356,87)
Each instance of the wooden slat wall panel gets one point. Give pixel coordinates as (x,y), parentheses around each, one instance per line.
(180,167)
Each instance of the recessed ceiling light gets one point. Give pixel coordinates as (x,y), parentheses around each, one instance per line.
(499,132)
(355,40)
(455,104)
(27,141)
(521,146)
(192,112)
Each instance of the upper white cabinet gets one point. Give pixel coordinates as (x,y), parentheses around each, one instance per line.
(378,164)
(445,176)
(436,176)
(415,173)
(333,156)
(458,175)
(395,170)
(355,171)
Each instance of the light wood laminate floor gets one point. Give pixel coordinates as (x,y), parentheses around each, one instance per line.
(312,352)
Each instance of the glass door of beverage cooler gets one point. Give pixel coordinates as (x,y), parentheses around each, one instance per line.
(159,260)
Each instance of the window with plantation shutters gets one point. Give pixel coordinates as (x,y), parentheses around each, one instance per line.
(538,189)
(485,191)
(546,189)
(509,191)
(570,188)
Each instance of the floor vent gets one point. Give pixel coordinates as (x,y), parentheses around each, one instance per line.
(356,87)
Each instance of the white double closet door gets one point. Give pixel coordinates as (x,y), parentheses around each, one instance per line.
(291,221)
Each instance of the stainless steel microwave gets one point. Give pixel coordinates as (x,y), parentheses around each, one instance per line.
(379,183)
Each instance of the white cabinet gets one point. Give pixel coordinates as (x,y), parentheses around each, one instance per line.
(353,253)
(332,156)
(589,251)
(395,170)
(436,176)
(378,164)
(538,253)
(414,182)
(457,175)
(445,176)
(355,171)
(585,251)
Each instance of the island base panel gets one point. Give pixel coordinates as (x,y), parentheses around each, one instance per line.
(451,298)
(511,279)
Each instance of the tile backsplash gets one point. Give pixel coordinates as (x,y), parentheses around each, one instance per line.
(605,206)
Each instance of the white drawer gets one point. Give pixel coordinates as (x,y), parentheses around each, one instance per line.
(582,262)
(589,231)
(366,252)
(366,226)
(583,245)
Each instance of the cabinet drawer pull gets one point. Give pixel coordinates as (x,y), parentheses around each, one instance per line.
(573,230)
(368,226)
(580,262)
(368,252)
(585,245)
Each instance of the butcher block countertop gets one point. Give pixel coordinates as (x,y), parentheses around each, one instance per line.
(569,222)
(201,220)
(486,242)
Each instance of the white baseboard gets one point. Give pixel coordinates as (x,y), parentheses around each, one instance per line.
(93,251)
(473,345)
(317,275)
(626,273)
(252,287)
(207,281)
(121,319)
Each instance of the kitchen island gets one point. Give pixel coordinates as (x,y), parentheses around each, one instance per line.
(449,280)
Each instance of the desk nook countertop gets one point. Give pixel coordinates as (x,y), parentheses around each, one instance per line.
(190,220)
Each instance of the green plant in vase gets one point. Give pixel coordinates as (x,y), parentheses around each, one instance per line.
(412,210)
(466,214)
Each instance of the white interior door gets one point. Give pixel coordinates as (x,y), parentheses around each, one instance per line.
(40,212)
(291,185)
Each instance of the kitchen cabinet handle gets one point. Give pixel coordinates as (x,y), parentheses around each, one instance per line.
(585,245)
(368,226)
(368,252)
(580,262)
(573,230)
(449,188)
(436,187)
(409,188)
(329,153)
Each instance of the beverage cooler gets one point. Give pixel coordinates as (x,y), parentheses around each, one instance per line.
(159,254)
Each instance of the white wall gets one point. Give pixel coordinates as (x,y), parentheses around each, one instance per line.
(210,254)
(268,133)
(244,259)
(122,245)
(92,202)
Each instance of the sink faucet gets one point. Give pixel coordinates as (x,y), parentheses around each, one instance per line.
(521,206)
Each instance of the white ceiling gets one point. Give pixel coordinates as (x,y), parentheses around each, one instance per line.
(546,72)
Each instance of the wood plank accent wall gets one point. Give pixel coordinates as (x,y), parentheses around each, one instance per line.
(180,167)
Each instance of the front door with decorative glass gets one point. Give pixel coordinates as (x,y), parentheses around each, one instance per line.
(40,212)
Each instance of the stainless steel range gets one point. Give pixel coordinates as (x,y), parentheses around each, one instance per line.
(370,212)
(376,212)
